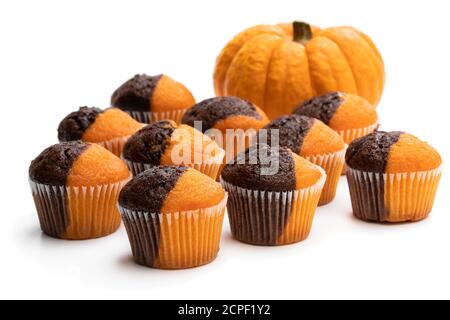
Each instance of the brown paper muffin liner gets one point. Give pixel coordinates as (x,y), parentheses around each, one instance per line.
(178,240)
(115,145)
(211,167)
(272,218)
(77,213)
(396,197)
(333,164)
(351,134)
(151,117)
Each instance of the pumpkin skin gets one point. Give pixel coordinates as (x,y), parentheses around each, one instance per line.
(278,66)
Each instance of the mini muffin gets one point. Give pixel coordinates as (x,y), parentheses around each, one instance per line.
(75,187)
(392,176)
(236,119)
(173,216)
(166,143)
(273,195)
(109,128)
(152,98)
(348,114)
(313,140)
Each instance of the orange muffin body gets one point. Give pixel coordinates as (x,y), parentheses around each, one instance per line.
(302,212)
(272,205)
(306,173)
(166,143)
(110,124)
(409,154)
(393,177)
(109,128)
(183,214)
(97,166)
(191,145)
(340,111)
(319,144)
(170,95)
(242,122)
(353,113)
(232,122)
(85,180)
(189,193)
(324,147)
(238,133)
(149,99)
(305,136)
(321,139)
(350,115)
(192,191)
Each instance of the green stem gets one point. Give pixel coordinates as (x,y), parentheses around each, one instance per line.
(302,32)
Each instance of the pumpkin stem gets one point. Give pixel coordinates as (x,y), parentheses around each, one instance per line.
(302,32)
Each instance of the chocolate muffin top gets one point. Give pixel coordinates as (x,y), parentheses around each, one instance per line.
(321,107)
(52,166)
(135,94)
(247,171)
(211,111)
(148,144)
(292,130)
(149,189)
(76,123)
(370,153)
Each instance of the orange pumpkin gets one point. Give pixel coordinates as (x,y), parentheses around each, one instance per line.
(279,66)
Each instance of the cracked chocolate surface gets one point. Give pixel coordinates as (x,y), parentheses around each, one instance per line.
(211,111)
(136,93)
(260,217)
(246,172)
(322,107)
(371,152)
(293,130)
(53,165)
(148,144)
(73,126)
(149,189)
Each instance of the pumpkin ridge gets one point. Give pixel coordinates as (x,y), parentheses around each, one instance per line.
(336,82)
(227,74)
(364,89)
(378,65)
(355,80)
(268,71)
(375,59)
(313,85)
(243,58)
(369,43)
(274,94)
(309,90)
(220,77)
(236,55)
(326,58)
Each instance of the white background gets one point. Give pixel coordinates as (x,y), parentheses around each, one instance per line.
(58,55)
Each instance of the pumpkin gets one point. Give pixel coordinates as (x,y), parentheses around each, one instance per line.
(279,66)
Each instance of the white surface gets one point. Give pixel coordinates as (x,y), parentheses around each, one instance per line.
(56,56)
